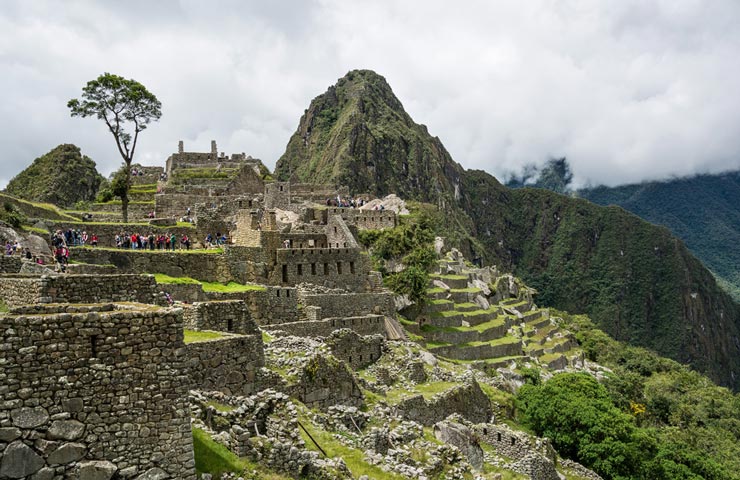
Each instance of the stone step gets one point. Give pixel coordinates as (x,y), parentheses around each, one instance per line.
(499,362)
(442,305)
(466,307)
(479,316)
(452,281)
(464,295)
(462,335)
(440,320)
(479,352)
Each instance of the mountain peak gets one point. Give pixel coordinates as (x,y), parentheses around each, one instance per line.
(358,134)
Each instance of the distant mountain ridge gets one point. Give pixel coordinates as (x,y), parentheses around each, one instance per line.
(636,280)
(702,210)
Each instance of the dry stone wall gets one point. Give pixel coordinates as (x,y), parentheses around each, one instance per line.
(534,456)
(335,267)
(365,325)
(467,400)
(90,395)
(22,290)
(228,365)
(355,350)
(224,316)
(10,264)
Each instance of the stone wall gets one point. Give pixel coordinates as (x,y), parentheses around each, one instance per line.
(347,304)
(467,400)
(229,365)
(22,290)
(95,392)
(334,267)
(207,267)
(357,351)
(338,234)
(277,195)
(223,316)
(365,325)
(10,264)
(534,456)
(175,205)
(362,219)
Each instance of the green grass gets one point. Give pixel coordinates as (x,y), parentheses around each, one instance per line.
(353,457)
(432,291)
(214,458)
(449,277)
(166,279)
(465,290)
(40,231)
(193,336)
(266,337)
(221,407)
(231,287)
(3,306)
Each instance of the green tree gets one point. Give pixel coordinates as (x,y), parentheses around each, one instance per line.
(127,108)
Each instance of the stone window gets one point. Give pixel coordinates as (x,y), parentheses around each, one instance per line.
(313,269)
(285,273)
(513,441)
(339,268)
(326,269)
(352,267)
(300,269)
(498,436)
(230,325)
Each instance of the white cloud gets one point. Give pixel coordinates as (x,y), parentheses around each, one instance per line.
(628,90)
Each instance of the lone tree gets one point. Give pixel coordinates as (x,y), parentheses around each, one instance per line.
(119,103)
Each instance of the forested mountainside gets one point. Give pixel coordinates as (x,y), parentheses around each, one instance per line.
(703,211)
(636,280)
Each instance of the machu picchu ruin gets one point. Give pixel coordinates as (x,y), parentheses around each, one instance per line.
(272,318)
(367,309)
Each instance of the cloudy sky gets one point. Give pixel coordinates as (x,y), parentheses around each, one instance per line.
(628,90)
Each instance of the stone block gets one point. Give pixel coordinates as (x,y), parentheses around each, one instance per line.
(19,461)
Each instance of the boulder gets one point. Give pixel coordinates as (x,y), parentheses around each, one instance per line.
(67,453)
(96,470)
(153,474)
(481,301)
(20,461)
(66,430)
(29,417)
(463,438)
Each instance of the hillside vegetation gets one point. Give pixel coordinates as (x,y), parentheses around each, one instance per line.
(635,280)
(703,211)
(63,176)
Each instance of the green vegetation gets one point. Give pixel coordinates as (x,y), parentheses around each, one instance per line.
(231,287)
(3,306)
(651,417)
(353,457)
(701,210)
(63,176)
(214,458)
(12,215)
(193,336)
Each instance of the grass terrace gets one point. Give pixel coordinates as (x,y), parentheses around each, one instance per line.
(194,336)
(231,287)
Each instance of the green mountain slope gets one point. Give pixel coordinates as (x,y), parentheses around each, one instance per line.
(703,211)
(62,176)
(636,281)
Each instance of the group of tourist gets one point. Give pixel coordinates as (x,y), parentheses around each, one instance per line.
(76,238)
(135,172)
(137,241)
(215,242)
(345,203)
(60,249)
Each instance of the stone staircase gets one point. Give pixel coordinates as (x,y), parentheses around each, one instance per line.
(472,316)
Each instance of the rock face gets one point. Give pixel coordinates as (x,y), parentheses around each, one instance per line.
(62,176)
(463,438)
(634,279)
(19,461)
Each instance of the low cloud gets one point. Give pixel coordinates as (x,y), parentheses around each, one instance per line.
(627,90)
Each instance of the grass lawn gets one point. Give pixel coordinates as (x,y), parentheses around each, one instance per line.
(231,287)
(214,458)
(193,336)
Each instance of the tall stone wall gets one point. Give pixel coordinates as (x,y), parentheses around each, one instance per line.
(95,392)
(24,290)
(356,350)
(207,267)
(175,205)
(364,219)
(535,456)
(467,400)
(10,264)
(277,195)
(347,304)
(334,267)
(338,234)
(229,365)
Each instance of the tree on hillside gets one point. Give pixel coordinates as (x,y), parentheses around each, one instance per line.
(122,104)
